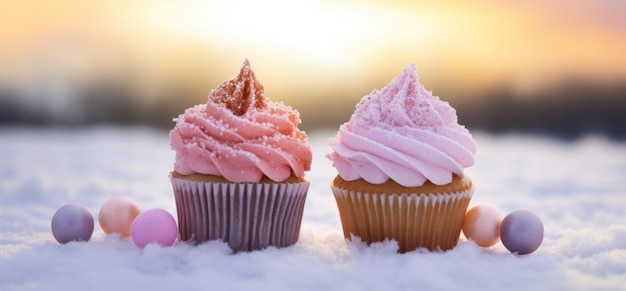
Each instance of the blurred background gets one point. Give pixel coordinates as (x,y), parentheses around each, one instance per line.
(551,67)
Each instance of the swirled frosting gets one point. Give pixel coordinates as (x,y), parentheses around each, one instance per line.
(403,133)
(241,135)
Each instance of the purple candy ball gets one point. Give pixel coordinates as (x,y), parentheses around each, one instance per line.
(521,232)
(72,223)
(154,226)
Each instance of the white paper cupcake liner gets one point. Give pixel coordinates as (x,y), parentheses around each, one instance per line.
(432,221)
(247,216)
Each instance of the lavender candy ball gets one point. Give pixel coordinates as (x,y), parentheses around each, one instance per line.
(72,223)
(154,226)
(521,231)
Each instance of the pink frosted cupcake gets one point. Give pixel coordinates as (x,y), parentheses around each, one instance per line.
(240,166)
(401,160)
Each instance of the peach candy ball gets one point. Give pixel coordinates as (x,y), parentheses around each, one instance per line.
(482,225)
(117,215)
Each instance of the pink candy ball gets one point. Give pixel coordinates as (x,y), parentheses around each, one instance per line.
(482,225)
(154,226)
(117,215)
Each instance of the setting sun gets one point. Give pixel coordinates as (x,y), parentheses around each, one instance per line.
(332,36)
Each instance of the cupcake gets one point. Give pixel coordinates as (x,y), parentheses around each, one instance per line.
(239,174)
(400,161)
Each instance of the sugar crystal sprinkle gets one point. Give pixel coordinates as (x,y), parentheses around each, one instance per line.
(241,93)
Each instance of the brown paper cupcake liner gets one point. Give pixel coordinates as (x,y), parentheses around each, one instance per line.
(431,221)
(247,216)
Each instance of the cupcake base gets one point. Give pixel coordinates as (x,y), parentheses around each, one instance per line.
(247,216)
(420,217)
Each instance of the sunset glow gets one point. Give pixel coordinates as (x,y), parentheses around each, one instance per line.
(476,44)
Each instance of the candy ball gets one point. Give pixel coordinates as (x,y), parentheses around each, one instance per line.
(154,226)
(117,215)
(72,223)
(482,225)
(521,232)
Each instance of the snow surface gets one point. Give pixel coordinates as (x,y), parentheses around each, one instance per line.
(577,188)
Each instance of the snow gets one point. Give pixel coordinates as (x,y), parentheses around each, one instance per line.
(576,188)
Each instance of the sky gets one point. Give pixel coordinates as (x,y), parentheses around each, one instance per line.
(304,51)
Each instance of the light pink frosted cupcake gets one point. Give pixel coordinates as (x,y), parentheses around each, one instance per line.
(239,174)
(401,160)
